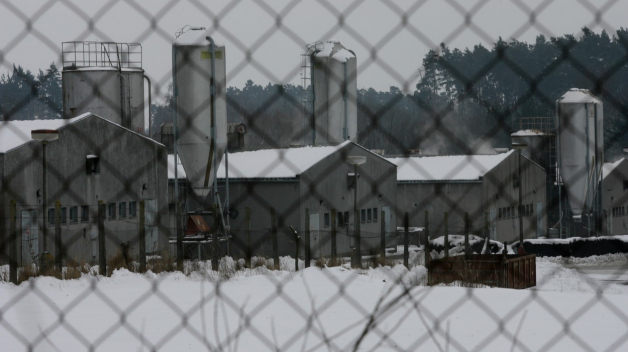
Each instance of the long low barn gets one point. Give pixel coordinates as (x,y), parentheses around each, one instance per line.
(313,181)
(484,186)
(93,160)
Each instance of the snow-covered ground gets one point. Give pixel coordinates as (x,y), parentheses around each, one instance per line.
(313,309)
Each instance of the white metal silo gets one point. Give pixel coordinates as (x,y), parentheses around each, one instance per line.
(581,149)
(106,79)
(335,90)
(193,77)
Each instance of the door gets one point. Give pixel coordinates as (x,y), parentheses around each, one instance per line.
(492,216)
(150,225)
(30,237)
(539,219)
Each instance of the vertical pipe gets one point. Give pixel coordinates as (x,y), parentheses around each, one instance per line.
(150,104)
(406,238)
(13,241)
(142,237)
(212,92)
(102,250)
(215,238)
(345,130)
(313,123)
(306,251)
(334,248)
(427,228)
(596,181)
(559,178)
(58,241)
(356,220)
(228,211)
(44,205)
(588,176)
(175,93)
(520,202)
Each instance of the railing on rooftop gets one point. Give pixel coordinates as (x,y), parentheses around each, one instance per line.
(542,124)
(101,54)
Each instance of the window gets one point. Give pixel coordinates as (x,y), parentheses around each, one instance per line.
(73,215)
(374,214)
(369,215)
(112,211)
(500,214)
(347,218)
(362,215)
(51,216)
(122,210)
(64,215)
(132,209)
(84,213)
(326,220)
(92,165)
(340,219)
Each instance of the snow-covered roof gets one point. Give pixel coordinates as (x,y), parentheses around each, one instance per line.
(180,170)
(530,133)
(575,95)
(446,168)
(275,163)
(607,168)
(103,68)
(196,38)
(16,133)
(336,51)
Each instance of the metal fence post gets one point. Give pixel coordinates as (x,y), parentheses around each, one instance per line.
(467,248)
(334,248)
(58,240)
(142,244)
(102,251)
(406,238)
(215,238)
(306,251)
(382,239)
(179,236)
(446,224)
(247,236)
(273,237)
(13,242)
(297,241)
(427,228)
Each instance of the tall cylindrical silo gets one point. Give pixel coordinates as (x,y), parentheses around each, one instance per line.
(194,108)
(335,90)
(105,79)
(581,148)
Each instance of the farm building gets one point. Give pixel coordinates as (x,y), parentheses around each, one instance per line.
(92,160)
(484,186)
(309,180)
(615,183)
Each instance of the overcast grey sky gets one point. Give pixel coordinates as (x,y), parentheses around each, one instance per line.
(275,50)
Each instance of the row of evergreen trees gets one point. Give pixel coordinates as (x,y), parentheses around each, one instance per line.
(467,101)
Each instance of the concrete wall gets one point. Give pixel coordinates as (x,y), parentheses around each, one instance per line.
(260,196)
(324,187)
(616,196)
(132,168)
(499,192)
(438,198)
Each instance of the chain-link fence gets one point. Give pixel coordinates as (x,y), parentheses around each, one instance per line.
(477,204)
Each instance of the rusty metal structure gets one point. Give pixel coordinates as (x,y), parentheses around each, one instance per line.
(516,271)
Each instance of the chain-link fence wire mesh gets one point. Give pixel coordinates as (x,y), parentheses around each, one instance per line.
(109,198)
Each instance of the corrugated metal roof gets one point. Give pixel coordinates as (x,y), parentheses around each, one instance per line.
(16,133)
